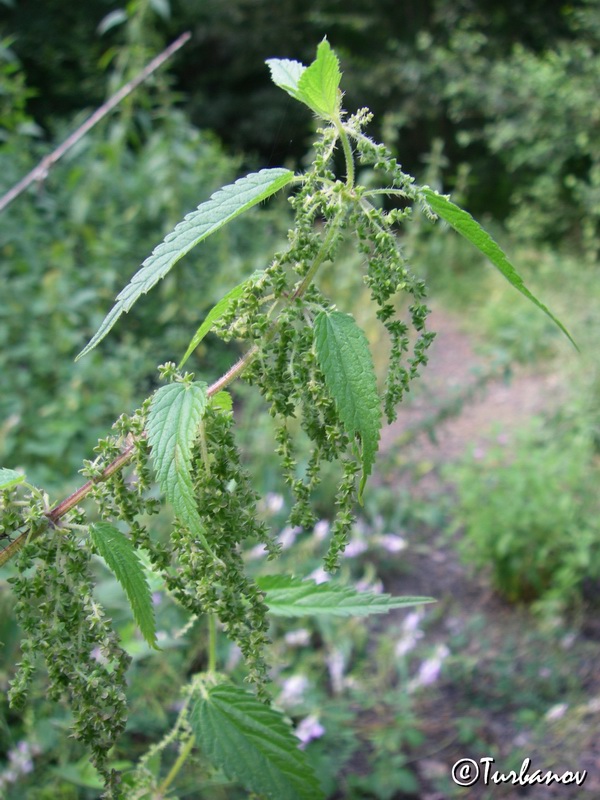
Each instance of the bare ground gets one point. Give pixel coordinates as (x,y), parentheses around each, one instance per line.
(491,631)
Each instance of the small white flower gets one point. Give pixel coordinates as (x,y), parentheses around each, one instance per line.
(556,712)
(336,664)
(97,655)
(310,728)
(292,691)
(257,552)
(287,537)
(410,634)
(568,641)
(391,542)
(319,575)
(298,638)
(273,502)
(366,585)
(321,529)
(430,669)
(594,705)
(354,548)
(234,657)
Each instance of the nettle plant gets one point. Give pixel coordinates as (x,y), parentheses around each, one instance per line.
(311,363)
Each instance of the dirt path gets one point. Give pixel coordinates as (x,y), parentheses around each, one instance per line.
(500,645)
(498,408)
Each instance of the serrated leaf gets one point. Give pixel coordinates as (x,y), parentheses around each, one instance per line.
(253,744)
(223,206)
(173,420)
(286,74)
(123,561)
(217,311)
(345,359)
(222,400)
(318,85)
(10,477)
(463,223)
(288,596)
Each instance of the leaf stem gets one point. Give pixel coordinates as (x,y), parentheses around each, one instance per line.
(175,769)
(212,644)
(347,153)
(320,257)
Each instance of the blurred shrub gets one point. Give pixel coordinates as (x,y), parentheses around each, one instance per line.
(526,118)
(69,246)
(530,514)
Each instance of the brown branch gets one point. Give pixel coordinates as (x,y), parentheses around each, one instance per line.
(40,172)
(62,508)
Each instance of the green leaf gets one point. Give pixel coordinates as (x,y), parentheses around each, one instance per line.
(9,478)
(253,744)
(222,400)
(463,223)
(288,596)
(223,206)
(217,312)
(123,561)
(175,414)
(345,358)
(317,86)
(286,74)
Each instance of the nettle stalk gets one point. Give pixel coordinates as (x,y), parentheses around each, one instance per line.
(312,364)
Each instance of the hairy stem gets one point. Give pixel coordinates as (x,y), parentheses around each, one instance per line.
(175,769)
(212,643)
(347,154)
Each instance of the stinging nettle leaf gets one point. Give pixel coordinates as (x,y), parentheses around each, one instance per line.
(175,414)
(123,561)
(217,312)
(223,206)
(463,223)
(345,359)
(222,400)
(288,596)
(253,744)
(318,85)
(286,74)
(10,477)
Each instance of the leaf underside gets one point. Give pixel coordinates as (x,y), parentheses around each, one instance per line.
(10,477)
(288,596)
(223,206)
(253,744)
(317,86)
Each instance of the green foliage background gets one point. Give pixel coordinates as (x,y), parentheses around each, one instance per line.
(510,89)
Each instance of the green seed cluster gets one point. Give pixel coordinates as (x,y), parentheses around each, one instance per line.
(388,274)
(275,314)
(64,625)
(227,506)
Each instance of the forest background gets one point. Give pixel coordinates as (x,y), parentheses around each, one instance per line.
(495,102)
